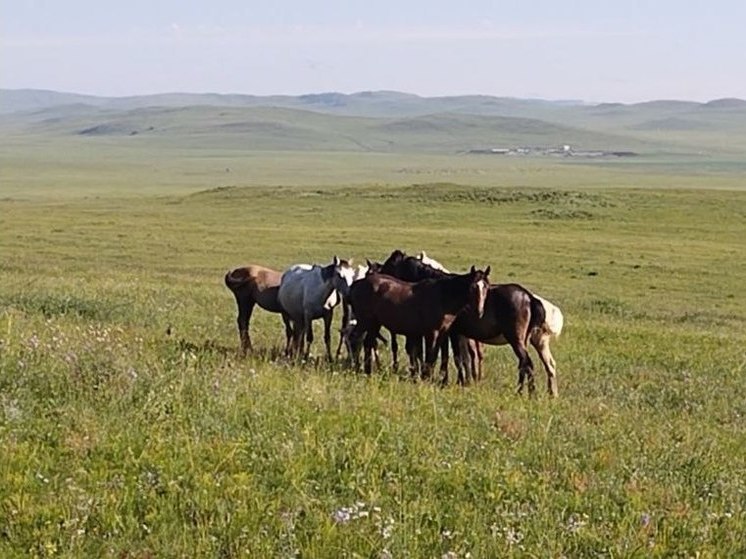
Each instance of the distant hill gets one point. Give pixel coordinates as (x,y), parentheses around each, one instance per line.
(385,121)
(275,128)
(366,103)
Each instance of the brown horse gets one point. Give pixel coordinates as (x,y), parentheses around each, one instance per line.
(410,268)
(511,315)
(424,309)
(254,285)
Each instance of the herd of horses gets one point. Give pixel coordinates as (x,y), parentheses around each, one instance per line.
(413,296)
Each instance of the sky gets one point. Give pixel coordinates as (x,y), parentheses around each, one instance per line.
(591,50)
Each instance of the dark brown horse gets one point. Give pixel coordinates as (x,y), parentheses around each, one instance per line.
(424,309)
(410,268)
(254,285)
(512,315)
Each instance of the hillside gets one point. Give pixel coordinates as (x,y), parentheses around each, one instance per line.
(382,121)
(291,129)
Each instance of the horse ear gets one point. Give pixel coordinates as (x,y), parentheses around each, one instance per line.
(368,263)
(422,255)
(473,269)
(487,271)
(336,260)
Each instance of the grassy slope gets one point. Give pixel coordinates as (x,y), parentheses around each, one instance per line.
(121,440)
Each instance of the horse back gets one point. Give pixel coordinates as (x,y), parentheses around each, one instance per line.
(304,291)
(507,314)
(252,277)
(401,306)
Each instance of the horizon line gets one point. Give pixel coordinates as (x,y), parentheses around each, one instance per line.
(376,91)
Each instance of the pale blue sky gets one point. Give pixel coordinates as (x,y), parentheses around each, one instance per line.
(622,50)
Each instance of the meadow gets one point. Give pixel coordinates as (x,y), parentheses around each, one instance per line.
(130,427)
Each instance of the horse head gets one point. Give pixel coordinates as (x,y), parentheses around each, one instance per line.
(394,259)
(479,284)
(340,274)
(374,267)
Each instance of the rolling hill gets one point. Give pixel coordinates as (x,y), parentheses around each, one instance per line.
(381,121)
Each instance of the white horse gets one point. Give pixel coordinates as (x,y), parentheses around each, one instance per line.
(540,338)
(309,292)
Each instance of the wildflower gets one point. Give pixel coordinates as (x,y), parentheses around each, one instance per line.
(512,536)
(341,516)
(575,523)
(645,520)
(387,528)
(344,515)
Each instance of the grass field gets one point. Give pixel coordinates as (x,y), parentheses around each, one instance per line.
(121,440)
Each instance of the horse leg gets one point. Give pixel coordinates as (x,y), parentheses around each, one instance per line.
(369,344)
(299,331)
(344,330)
(328,315)
(354,339)
(432,342)
(412,344)
(541,344)
(525,365)
(288,333)
(464,366)
(474,361)
(458,358)
(308,322)
(343,341)
(444,358)
(479,358)
(245,308)
(394,352)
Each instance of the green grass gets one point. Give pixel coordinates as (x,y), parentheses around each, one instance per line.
(121,440)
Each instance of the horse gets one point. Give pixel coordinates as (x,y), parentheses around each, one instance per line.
(410,268)
(424,309)
(513,315)
(348,321)
(309,292)
(255,285)
(540,338)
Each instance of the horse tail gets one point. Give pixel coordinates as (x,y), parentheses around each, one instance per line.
(554,319)
(234,281)
(538,315)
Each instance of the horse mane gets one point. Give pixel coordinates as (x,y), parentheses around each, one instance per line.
(412,267)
